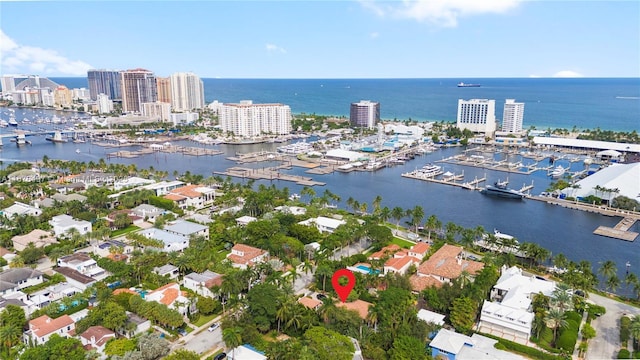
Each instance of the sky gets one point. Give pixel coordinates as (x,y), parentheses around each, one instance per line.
(324,39)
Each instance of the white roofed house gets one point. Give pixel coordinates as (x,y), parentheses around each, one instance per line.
(171,241)
(19,208)
(16,279)
(148,212)
(82,263)
(187,228)
(323,224)
(509,313)
(202,283)
(62,223)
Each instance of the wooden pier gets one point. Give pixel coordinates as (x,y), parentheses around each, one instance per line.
(413,175)
(270,173)
(620,231)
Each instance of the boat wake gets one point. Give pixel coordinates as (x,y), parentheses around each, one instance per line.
(628,97)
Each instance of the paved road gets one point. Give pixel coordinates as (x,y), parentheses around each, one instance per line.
(201,340)
(606,344)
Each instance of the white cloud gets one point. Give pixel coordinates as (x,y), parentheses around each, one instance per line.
(275,48)
(16,58)
(374,35)
(567,74)
(534,76)
(443,13)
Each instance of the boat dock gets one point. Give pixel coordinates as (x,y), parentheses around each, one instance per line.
(451,180)
(154,148)
(620,231)
(270,173)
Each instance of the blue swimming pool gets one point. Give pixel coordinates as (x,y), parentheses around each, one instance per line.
(367,269)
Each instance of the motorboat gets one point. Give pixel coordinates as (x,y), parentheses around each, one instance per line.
(501,189)
(558,172)
(461,84)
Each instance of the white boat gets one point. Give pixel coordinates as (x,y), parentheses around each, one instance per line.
(3,123)
(430,170)
(502,236)
(294,197)
(557,172)
(77,151)
(12,121)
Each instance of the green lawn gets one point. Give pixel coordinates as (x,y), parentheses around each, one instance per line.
(402,243)
(126,230)
(203,319)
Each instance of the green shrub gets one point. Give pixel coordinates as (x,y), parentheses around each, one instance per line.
(595,311)
(624,354)
(567,341)
(500,346)
(625,334)
(572,315)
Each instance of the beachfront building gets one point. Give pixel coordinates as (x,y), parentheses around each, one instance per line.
(138,87)
(62,96)
(164,89)
(477,115)
(247,119)
(102,81)
(187,91)
(160,111)
(512,116)
(508,314)
(364,114)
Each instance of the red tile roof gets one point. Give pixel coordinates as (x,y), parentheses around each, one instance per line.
(100,333)
(44,325)
(398,263)
(419,283)
(420,248)
(249,254)
(385,251)
(170,293)
(359,306)
(447,263)
(309,302)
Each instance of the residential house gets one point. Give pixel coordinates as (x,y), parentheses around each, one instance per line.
(172,296)
(171,241)
(509,314)
(187,228)
(202,283)
(40,329)
(25,175)
(293,210)
(385,252)
(76,278)
(148,212)
(111,218)
(39,238)
(140,325)
(242,256)
(19,209)
(444,266)
(245,352)
(323,224)
(167,270)
(192,196)
(419,250)
(310,303)
(62,223)
(69,197)
(83,263)
(16,302)
(164,187)
(96,337)
(245,220)
(431,317)
(16,279)
(400,263)
(67,187)
(104,248)
(50,294)
(92,178)
(131,182)
(450,345)
(359,306)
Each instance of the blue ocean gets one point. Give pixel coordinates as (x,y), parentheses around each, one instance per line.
(583,103)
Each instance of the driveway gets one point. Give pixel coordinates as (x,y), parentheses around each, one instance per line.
(355,248)
(606,344)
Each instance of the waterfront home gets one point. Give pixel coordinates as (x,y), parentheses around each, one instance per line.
(171,295)
(62,223)
(243,256)
(39,239)
(323,224)
(67,187)
(444,266)
(148,212)
(385,252)
(92,178)
(171,241)
(400,263)
(202,283)
(16,279)
(451,345)
(508,314)
(293,210)
(419,250)
(25,175)
(95,338)
(20,209)
(310,303)
(164,187)
(187,228)
(83,263)
(192,196)
(41,329)
(131,182)
(167,270)
(76,278)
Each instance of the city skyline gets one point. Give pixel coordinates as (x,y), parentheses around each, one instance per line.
(347,39)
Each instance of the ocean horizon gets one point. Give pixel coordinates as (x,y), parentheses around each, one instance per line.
(583,103)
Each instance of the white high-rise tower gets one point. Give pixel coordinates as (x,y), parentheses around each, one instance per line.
(187,92)
(512,116)
(477,115)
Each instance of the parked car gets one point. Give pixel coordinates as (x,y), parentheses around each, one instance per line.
(220,356)
(182,332)
(321,297)
(213,327)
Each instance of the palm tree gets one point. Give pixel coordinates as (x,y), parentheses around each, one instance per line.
(10,335)
(324,270)
(434,224)
(417,214)
(233,338)
(376,204)
(560,261)
(560,299)
(385,214)
(613,283)
(555,319)
(630,279)
(397,213)
(634,328)
(607,269)
(284,312)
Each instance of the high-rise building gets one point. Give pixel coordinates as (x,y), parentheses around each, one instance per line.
(477,115)
(105,105)
(157,110)
(104,82)
(365,114)
(164,89)
(512,116)
(248,119)
(187,92)
(138,86)
(9,82)
(63,96)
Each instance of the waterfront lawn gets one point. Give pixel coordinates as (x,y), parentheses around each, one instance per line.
(402,243)
(123,231)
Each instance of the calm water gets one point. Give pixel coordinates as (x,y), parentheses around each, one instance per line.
(612,104)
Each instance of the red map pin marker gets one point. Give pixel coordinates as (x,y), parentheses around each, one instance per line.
(343,290)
